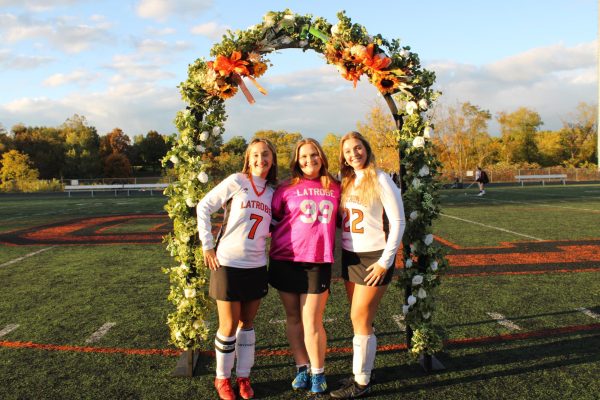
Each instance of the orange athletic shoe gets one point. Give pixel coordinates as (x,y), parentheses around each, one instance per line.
(246,391)
(224,389)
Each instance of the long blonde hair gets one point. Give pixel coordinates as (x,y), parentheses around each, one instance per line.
(297,175)
(368,188)
(272,175)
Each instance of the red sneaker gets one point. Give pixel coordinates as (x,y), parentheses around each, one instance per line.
(224,389)
(245,389)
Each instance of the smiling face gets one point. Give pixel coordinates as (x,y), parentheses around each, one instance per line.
(260,159)
(309,161)
(355,153)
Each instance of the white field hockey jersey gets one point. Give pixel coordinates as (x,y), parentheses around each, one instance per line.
(363,227)
(242,239)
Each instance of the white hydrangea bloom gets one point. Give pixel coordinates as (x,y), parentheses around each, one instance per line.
(424,171)
(204,136)
(411,107)
(427,132)
(434,265)
(174,159)
(417,280)
(428,239)
(421,293)
(418,142)
(411,300)
(413,215)
(203,177)
(189,293)
(190,202)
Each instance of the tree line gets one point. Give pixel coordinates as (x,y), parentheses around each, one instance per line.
(461,135)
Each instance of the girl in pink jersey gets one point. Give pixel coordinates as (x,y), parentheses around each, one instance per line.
(368,250)
(301,255)
(237,260)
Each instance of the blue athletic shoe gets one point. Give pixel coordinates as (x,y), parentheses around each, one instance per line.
(318,384)
(302,380)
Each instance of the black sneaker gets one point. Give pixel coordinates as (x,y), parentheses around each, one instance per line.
(351,390)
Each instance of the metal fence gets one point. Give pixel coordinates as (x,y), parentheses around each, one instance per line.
(507,175)
(118,181)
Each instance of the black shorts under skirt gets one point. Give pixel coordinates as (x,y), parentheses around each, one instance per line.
(354,267)
(299,277)
(238,284)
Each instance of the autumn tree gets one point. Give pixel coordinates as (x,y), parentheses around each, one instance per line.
(462,138)
(44,146)
(17,166)
(331,147)
(518,130)
(550,147)
(117,165)
(579,136)
(150,149)
(81,148)
(379,129)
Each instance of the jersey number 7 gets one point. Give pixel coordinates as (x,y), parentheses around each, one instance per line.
(257,220)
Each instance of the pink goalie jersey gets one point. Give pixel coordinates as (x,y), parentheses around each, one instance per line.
(306,215)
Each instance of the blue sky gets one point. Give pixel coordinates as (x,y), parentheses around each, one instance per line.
(118,63)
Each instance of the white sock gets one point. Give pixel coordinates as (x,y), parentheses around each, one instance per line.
(225,355)
(244,351)
(315,371)
(364,348)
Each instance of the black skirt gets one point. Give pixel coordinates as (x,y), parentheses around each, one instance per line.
(238,284)
(299,277)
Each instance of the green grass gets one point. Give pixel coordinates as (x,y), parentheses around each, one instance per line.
(63,295)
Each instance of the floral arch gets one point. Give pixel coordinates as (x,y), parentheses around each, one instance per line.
(394,70)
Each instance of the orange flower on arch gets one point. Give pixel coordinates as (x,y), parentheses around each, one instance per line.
(377,61)
(234,64)
(386,82)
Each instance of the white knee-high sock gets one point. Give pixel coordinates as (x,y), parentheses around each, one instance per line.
(225,355)
(244,351)
(364,347)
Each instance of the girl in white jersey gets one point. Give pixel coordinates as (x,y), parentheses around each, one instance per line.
(369,198)
(237,260)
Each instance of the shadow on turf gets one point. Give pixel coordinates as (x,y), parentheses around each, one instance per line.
(514,361)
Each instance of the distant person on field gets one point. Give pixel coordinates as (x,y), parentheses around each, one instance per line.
(481,178)
(305,210)
(369,250)
(237,261)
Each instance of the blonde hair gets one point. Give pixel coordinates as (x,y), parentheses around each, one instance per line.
(368,188)
(272,175)
(297,175)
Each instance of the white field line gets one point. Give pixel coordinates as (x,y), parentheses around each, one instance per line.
(8,329)
(492,227)
(399,320)
(542,205)
(16,260)
(99,334)
(589,313)
(501,319)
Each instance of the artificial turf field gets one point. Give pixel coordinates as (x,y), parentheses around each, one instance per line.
(519,308)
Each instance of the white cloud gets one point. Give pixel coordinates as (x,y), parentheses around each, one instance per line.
(63,33)
(160,46)
(134,108)
(79,76)
(37,5)
(160,10)
(8,60)
(160,32)
(551,80)
(211,30)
